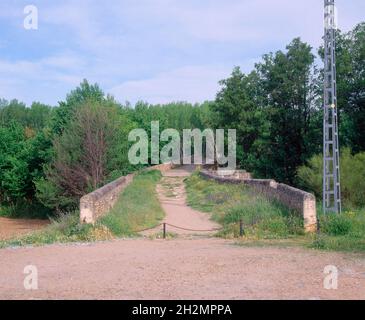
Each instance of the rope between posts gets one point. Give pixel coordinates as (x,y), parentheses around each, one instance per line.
(186,229)
(148,228)
(176,227)
(164,224)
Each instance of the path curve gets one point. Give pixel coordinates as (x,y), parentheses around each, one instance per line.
(172,196)
(188,268)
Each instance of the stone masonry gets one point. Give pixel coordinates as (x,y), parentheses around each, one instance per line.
(300,201)
(101,201)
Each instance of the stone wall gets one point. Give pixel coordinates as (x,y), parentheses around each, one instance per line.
(302,202)
(101,201)
(161,167)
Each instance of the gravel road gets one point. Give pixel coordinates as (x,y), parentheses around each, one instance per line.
(178,269)
(188,267)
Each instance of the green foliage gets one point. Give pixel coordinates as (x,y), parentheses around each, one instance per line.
(63,229)
(262,219)
(50,194)
(24,148)
(276,110)
(64,113)
(92,145)
(345,232)
(336,225)
(236,106)
(35,117)
(352,177)
(15,153)
(136,210)
(24,210)
(351,83)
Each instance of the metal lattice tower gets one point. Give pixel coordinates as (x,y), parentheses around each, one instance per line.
(331,161)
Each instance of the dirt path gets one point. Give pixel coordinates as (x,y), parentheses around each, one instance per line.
(178,269)
(10,228)
(172,195)
(187,267)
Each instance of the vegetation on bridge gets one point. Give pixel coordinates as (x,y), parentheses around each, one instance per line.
(137,208)
(52,155)
(266,220)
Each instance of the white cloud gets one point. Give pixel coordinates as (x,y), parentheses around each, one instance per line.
(190,83)
(29,80)
(114,41)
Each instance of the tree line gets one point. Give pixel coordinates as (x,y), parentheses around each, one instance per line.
(52,155)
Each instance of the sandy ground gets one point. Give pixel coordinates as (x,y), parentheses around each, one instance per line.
(10,228)
(178,269)
(188,267)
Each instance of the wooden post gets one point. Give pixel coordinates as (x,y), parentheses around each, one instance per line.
(242,231)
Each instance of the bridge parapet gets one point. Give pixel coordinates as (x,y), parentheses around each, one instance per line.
(101,201)
(302,202)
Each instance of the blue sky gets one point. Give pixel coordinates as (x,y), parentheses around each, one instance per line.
(152,50)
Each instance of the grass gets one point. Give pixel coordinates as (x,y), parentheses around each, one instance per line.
(265,222)
(345,232)
(228,204)
(137,208)
(270,223)
(65,228)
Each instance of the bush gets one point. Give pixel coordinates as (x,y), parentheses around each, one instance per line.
(229,204)
(352,177)
(336,225)
(345,232)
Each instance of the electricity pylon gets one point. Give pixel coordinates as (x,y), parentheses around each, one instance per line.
(331,159)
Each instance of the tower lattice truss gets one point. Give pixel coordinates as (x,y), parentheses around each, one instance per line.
(331,161)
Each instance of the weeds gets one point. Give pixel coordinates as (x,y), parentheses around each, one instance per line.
(262,219)
(266,220)
(345,232)
(137,208)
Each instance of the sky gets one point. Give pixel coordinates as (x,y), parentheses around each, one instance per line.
(157,51)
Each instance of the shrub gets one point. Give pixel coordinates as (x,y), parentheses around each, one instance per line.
(229,204)
(352,177)
(336,225)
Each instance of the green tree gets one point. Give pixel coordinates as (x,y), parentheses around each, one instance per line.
(36,117)
(64,113)
(290,107)
(350,51)
(91,147)
(352,181)
(235,108)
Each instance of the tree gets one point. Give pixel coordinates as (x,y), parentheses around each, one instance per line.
(90,148)
(291,104)
(36,117)
(15,173)
(350,51)
(235,108)
(65,111)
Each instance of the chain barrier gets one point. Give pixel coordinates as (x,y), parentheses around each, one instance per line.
(192,230)
(164,224)
(138,231)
